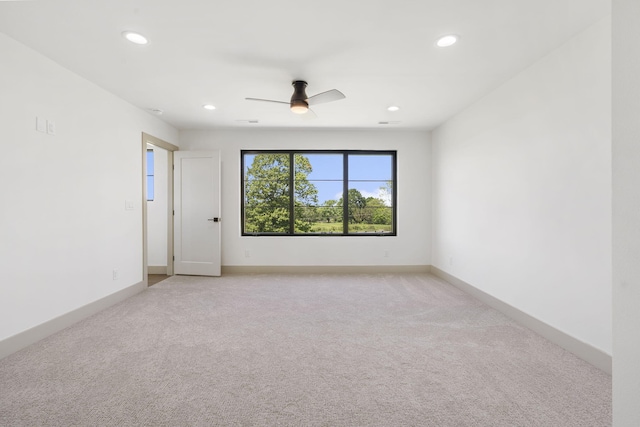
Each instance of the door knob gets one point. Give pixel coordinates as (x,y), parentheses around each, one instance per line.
(216,219)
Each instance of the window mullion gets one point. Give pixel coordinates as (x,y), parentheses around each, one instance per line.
(292,202)
(345,194)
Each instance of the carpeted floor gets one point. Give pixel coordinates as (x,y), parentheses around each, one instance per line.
(300,350)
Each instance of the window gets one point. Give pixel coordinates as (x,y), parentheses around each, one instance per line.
(333,193)
(150,166)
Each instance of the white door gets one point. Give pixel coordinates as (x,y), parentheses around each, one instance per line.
(197,213)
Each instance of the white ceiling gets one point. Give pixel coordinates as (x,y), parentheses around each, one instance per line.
(378,53)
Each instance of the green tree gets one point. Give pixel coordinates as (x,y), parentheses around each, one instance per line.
(378,212)
(331,211)
(306,195)
(267,194)
(356,206)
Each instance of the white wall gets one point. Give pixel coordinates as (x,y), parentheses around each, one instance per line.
(63,223)
(410,247)
(157,211)
(626,213)
(522,190)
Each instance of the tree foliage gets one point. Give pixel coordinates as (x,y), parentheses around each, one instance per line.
(357,207)
(331,211)
(267,195)
(369,210)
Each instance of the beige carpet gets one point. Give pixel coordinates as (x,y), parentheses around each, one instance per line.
(300,350)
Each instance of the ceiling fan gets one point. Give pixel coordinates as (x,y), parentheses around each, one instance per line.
(300,102)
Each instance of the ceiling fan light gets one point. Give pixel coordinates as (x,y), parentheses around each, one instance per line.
(133,37)
(299,107)
(448,40)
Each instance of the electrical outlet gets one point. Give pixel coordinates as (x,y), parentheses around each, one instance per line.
(115,274)
(386,254)
(247,253)
(450,260)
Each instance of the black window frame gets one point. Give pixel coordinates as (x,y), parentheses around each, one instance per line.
(345,185)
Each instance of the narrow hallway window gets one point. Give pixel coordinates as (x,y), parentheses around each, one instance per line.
(150,175)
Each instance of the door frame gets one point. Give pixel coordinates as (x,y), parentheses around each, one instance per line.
(150,139)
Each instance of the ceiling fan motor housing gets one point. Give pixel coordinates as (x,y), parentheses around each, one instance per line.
(299,98)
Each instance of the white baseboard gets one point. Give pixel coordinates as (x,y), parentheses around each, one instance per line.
(157,269)
(316,269)
(586,352)
(23,339)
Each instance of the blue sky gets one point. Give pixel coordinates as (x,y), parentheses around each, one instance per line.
(150,173)
(367,173)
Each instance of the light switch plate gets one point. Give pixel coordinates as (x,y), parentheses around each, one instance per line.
(51,127)
(128,205)
(41,124)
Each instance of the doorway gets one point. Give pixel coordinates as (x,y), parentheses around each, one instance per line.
(157,162)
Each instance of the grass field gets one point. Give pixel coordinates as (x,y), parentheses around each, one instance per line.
(336,227)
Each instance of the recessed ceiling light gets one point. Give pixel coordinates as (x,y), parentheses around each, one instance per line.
(446,41)
(136,38)
(393,108)
(209,107)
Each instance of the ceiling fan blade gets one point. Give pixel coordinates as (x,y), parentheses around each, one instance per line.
(266,100)
(309,115)
(328,96)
